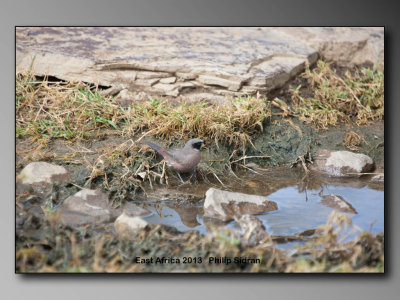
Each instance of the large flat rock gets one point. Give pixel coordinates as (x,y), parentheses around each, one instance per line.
(189,63)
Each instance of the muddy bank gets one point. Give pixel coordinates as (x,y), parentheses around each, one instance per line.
(281,141)
(284,142)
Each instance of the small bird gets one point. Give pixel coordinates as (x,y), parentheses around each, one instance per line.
(182,160)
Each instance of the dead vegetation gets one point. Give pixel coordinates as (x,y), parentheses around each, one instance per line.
(353,140)
(75,111)
(356,96)
(49,246)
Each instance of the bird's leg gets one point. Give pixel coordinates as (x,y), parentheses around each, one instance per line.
(193,173)
(180,178)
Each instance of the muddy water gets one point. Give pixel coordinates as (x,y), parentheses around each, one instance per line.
(298,198)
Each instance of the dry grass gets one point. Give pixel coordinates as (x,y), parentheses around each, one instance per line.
(75,111)
(353,140)
(62,110)
(59,248)
(232,124)
(355,96)
(124,168)
(328,250)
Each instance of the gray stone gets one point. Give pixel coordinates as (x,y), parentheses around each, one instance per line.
(341,163)
(127,224)
(155,60)
(226,205)
(378,178)
(43,172)
(39,178)
(86,206)
(337,202)
(346,46)
(240,60)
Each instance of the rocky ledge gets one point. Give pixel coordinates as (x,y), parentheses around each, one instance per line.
(190,64)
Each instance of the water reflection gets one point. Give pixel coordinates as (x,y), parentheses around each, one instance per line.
(300,202)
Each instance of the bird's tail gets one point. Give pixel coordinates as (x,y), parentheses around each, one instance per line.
(159,149)
(152,145)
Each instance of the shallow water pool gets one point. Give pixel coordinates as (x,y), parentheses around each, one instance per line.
(298,198)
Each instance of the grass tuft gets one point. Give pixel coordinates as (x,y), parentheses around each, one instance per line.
(354,96)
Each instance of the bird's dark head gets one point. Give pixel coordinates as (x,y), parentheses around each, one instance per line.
(195,144)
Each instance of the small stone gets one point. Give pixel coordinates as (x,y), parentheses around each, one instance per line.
(126,224)
(39,178)
(337,202)
(378,178)
(90,205)
(226,205)
(42,172)
(342,163)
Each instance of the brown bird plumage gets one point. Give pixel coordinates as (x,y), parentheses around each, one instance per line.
(182,160)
